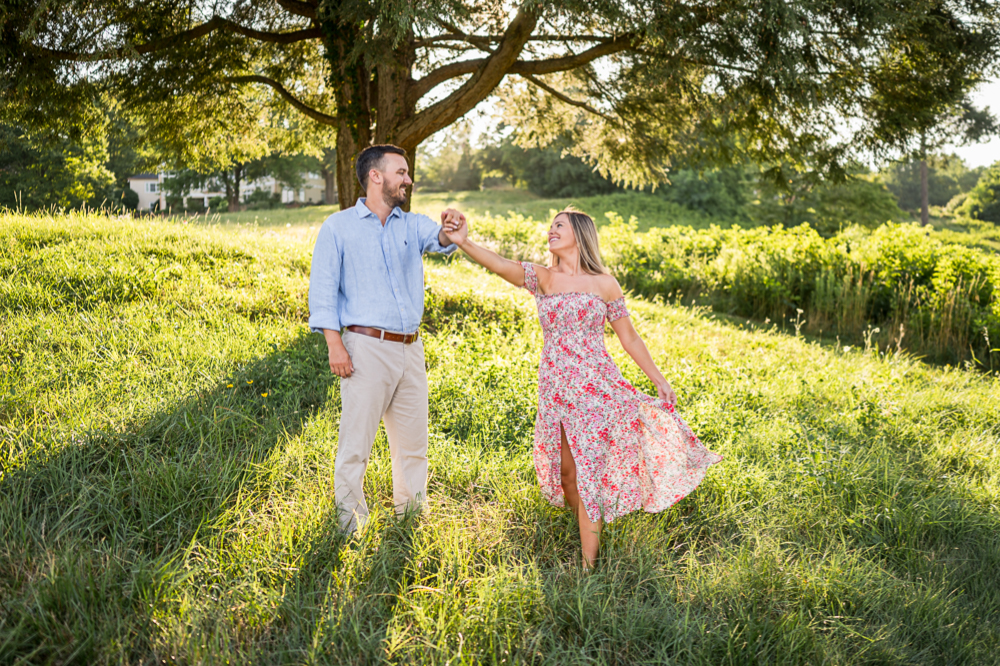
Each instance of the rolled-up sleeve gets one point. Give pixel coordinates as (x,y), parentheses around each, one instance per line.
(324,282)
(428,231)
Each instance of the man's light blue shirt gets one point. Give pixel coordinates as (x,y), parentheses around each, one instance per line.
(366,274)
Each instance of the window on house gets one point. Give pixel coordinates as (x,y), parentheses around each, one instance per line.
(152,187)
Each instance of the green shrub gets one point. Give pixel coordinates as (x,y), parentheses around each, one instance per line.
(53,170)
(826,207)
(123,198)
(723,193)
(983,202)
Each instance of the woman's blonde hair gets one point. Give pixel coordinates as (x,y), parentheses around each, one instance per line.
(586,242)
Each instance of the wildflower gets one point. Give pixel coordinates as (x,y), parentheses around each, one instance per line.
(249,381)
(229,386)
(263,395)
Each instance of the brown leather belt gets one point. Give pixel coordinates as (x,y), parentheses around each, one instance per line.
(384,335)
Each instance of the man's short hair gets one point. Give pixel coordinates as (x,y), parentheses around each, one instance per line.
(373,157)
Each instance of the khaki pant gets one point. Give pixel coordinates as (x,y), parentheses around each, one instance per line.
(389,382)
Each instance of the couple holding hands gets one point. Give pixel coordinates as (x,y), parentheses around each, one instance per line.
(601,447)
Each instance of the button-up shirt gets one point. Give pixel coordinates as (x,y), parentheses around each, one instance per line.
(367,274)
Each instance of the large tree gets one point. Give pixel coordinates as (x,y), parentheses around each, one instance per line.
(921,97)
(643,84)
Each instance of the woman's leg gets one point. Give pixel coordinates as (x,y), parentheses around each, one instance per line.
(590,531)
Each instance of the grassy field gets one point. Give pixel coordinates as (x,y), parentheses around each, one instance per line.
(168,429)
(651,211)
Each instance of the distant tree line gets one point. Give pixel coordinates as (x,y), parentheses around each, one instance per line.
(41,168)
(70,169)
(778,195)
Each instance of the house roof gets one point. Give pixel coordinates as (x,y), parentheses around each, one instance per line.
(144,176)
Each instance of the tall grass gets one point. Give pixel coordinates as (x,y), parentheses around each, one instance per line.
(168,433)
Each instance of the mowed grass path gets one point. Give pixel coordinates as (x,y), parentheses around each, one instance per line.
(168,432)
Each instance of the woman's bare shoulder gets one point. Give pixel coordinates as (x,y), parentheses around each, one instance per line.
(610,290)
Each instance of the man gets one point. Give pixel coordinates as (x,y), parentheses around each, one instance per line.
(368,280)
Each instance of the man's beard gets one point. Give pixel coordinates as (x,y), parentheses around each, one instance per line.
(394,200)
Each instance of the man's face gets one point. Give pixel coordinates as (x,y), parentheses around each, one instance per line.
(395,179)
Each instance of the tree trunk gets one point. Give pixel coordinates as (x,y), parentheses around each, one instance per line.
(233,189)
(348,187)
(411,161)
(329,173)
(228,182)
(351,81)
(924,208)
(374,105)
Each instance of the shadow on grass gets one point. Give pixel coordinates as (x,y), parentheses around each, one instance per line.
(340,604)
(96,531)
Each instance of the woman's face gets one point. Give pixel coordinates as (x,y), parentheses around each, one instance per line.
(561,236)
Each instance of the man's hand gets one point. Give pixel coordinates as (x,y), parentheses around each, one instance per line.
(340,360)
(453,226)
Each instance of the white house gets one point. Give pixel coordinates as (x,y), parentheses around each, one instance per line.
(149,187)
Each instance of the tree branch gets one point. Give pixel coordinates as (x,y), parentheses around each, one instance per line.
(197,32)
(484,79)
(569,100)
(299,8)
(275,37)
(446,72)
(492,39)
(318,116)
(616,45)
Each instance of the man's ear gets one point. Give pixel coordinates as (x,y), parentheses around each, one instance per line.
(375,176)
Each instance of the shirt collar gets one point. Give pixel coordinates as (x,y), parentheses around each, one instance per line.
(363,210)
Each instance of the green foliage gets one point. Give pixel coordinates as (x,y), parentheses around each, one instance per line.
(983,202)
(450,166)
(130,150)
(124,197)
(547,172)
(166,480)
(49,169)
(643,91)
(720,195)
(262,200)
(288,169)
(72,164)
(723,193)
(826,206)
(947,177)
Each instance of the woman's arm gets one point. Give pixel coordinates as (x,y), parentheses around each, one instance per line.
(511,271)
(633,344)
(636,348)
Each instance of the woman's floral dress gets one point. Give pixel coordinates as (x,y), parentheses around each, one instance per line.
(631,451)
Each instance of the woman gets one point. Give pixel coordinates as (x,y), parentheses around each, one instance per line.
(600,445)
